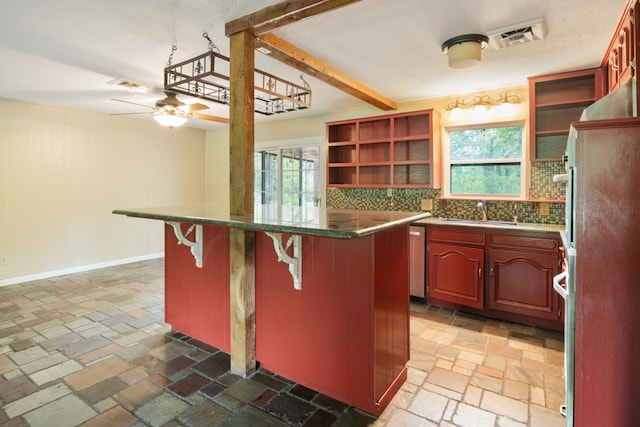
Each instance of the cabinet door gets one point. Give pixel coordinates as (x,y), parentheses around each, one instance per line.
(417,261)
(456,274)
(521,282)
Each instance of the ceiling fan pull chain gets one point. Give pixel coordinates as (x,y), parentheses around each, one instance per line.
(212,45)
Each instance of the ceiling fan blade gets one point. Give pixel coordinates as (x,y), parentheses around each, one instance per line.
(128,114)
(194,107)
(210,118)
(133,103)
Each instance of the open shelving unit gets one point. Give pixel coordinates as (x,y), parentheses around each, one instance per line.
(557,100)
(398,150)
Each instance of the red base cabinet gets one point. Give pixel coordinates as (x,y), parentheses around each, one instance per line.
(346,333)
(518,283)
(455,266)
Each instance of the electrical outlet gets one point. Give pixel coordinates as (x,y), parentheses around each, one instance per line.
(544,209)
(426,204)
(3,260)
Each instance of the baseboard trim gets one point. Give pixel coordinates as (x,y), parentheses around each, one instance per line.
(79,269)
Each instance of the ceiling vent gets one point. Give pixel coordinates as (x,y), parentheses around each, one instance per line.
(517,34)
(132,87)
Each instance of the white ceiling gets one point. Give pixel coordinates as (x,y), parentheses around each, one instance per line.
(64,52)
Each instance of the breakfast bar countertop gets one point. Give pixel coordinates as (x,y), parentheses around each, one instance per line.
(324,222)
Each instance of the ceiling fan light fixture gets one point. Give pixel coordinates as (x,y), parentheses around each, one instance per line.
(169,119)
(465,51)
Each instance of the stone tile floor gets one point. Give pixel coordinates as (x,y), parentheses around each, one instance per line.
(90,349)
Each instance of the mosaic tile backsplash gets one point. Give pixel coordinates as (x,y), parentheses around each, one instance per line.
(401,199)
(409,200)
(542,185)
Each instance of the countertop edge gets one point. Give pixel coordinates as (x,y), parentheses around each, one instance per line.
(280,228)
(521,226)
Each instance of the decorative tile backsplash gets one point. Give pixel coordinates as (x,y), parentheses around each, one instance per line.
(408,199)
(542,185)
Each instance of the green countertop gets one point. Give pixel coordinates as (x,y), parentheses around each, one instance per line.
(345,224)
(501,225)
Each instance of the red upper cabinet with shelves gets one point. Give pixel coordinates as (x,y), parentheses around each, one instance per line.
(555,101)
(398,150)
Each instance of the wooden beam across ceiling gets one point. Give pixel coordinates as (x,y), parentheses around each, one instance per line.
(300,60)
(280,14)
(286,12)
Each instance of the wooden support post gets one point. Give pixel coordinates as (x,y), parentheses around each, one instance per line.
(242,243)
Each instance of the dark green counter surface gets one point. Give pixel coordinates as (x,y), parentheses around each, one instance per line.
(344,224)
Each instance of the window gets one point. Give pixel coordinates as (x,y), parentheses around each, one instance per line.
(288,177)
(485,161)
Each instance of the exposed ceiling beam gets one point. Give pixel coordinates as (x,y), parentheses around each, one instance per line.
(300,60)
(280,14)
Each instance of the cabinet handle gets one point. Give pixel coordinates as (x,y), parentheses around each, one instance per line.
(414,233)
(479,272)
(491,272)
(614,61)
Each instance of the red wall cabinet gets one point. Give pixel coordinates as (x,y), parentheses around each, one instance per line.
(398,150)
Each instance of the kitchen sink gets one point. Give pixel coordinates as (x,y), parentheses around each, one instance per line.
(480,222)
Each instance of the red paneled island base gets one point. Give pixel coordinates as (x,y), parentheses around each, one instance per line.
(344,333)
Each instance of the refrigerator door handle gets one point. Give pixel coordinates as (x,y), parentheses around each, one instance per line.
(563,177)
(558,287)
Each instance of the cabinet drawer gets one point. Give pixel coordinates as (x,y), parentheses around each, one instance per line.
(451,234)
(538,243)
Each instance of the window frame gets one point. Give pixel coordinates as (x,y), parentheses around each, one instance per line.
(447,163)
(279,145)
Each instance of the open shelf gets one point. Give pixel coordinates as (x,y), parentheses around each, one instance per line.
(397,150)
(556,101)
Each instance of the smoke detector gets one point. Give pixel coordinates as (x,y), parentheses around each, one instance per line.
(517,34)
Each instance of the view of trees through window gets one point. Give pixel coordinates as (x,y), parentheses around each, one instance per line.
(486,160)
(287,176)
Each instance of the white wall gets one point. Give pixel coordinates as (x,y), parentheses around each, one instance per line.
(63,171)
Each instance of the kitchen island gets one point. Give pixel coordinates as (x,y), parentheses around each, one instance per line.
(331,292)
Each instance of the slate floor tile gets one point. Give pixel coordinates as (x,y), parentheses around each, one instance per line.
(163,377)
(161,409)
(103,389)
(303,392)
(138,394)
(16,388)
(117,416)
(213,389)
(68,411)
(214,365)
(290,409)
(205,413)
(268,381)
(251,416)
(189,384)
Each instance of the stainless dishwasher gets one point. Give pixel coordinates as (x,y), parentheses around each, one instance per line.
(417,265)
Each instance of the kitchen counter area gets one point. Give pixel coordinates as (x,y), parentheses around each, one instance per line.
(496,225)
(331,292)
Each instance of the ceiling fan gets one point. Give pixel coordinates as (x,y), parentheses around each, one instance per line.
(172,112)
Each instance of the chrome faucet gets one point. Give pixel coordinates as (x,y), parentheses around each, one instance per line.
(482,204)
